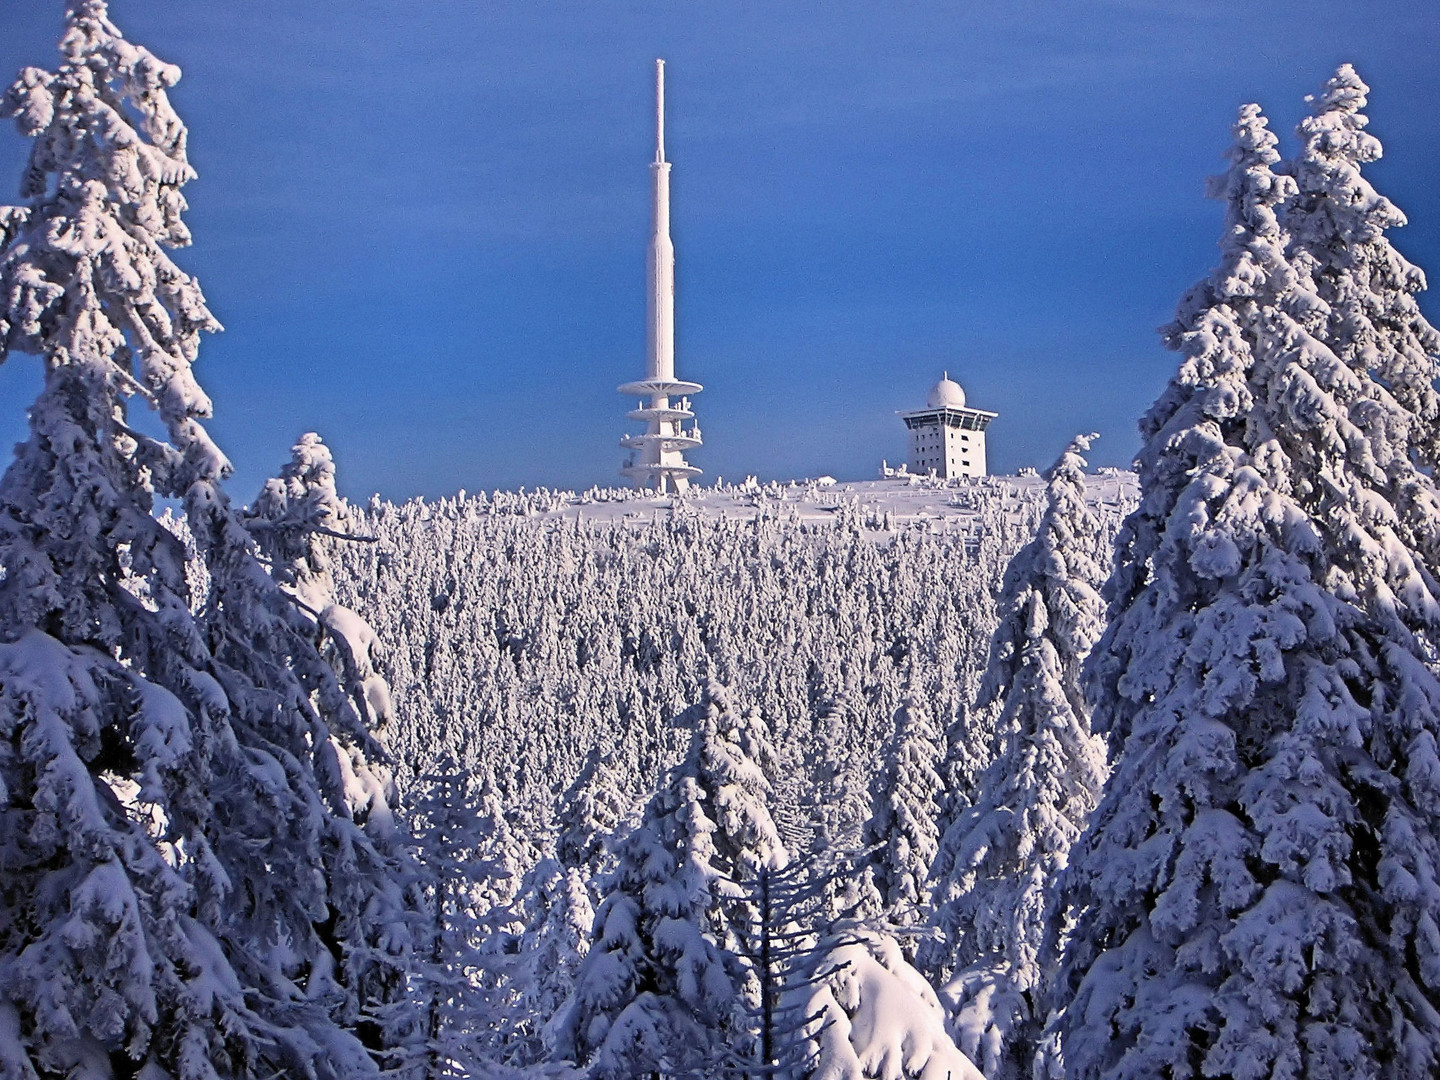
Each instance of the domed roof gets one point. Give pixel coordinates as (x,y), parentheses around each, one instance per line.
(946,394)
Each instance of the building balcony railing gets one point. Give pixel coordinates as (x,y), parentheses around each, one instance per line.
(685,440)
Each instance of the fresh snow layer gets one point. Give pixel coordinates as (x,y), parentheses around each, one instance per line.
(907,500)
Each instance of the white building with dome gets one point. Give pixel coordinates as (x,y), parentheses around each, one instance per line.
(947,437)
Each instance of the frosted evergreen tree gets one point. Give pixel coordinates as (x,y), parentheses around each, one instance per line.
(1256,893)
(663,987)
(994,893)
(295,520)
(450,832)
(499,871)
(506,852)
(1337,224)
(840,802)
(590,812)
(290,520)
(555,916)
(902,831)
(187,890)
(291,513)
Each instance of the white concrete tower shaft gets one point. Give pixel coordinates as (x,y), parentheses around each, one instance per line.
(658,456)
(660,271)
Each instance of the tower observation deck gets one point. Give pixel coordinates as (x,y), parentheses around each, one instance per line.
(657,458)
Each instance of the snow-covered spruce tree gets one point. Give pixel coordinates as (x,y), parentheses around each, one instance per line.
(555,915)
(296,519)
(839,802)
(994,886)
(506,851)
(291,513)
(471,863)
(447,832)
(289,520)
(901,833)
(590,812)
(1256,893)
(501,867)
(663,988)
(1337,224)
(186,891)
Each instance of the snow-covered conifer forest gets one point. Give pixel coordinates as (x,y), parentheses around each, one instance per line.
(1064,775)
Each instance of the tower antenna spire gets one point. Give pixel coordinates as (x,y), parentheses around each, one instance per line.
(659,458)
(659,110)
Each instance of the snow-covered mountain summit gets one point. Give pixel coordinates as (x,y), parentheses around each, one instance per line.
(899,501)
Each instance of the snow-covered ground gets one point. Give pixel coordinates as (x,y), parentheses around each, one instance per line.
(906,500)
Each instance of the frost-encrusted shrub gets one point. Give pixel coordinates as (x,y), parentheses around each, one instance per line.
(870,1015)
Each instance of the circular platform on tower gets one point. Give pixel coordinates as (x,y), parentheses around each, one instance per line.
(660,387)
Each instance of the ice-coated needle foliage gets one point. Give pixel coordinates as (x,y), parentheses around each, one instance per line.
(450,834)
(1256,893)
(591,812)
(188,888)
(995,875)
(902,832)
(664,985)
(1337,224)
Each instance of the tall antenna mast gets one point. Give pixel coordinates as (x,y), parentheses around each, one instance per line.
(659,110)
(659,458)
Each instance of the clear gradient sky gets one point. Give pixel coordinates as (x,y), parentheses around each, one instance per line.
(424,223)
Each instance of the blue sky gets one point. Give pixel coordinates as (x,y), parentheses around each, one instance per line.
(424,224)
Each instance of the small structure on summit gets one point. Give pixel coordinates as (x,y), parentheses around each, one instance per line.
(947,437)
(658,458)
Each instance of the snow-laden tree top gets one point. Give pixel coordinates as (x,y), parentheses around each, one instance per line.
(1059,571)
(1338,223)
(79,271)
(291,512)
(86,284)
(1257,891)
(663,985)
(189,826)
(998,862)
